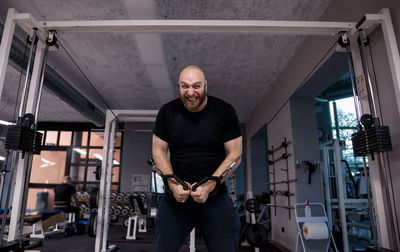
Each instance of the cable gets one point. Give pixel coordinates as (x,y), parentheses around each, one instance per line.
(301,84)
(90,83)
(387,154)
(20,78)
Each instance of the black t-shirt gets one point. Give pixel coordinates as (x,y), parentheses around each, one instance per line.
(196,139)
(62,195)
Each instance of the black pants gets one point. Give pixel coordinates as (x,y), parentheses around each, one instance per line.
(217,220)
(71,209)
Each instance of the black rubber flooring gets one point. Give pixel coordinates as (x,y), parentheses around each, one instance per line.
(144,243)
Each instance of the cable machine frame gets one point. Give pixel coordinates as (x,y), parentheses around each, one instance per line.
(315,28)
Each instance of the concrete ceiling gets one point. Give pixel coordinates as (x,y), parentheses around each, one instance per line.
(140,71)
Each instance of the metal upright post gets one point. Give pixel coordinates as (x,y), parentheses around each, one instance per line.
(28,104)
(5,45)
(327,189)
(110,162)
(340,186)
(102,210)
(380,156)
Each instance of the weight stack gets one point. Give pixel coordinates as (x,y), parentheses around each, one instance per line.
(373,140)
(23,138)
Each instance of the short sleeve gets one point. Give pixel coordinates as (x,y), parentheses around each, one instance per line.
(160,128)
(231,128)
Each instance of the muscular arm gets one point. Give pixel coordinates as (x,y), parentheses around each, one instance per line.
(233,149)
(160,148)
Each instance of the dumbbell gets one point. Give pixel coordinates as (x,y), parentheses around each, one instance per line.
(120,196)
(127,195)
(94,210)
(87,210)
(78,195)
(125,210)
(82,207)
(113,196)
(112,208)
(117,210)
(84,195)
(143,196)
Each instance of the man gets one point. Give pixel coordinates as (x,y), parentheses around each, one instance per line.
(203,136)
(62,198)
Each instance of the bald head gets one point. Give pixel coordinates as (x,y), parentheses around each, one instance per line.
(193,88)
(192,70)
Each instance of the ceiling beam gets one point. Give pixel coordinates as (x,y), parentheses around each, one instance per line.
(200,26)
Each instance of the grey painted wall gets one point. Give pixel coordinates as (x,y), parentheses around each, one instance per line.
(135,152)
(283,228)
(259,161)
(306,148)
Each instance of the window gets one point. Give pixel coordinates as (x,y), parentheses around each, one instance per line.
(48,167)
(74,153)
(344,123)
(51,138)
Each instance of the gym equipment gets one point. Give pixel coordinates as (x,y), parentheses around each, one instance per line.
(23,141)
(306,223)
(139,219)
(284,144)
(125,210)
(126,196)
(254,231)
(94,198)
(284,156)
(252,205)
(256,235)
(117,210)
(98,172)
(84,195)
(165,178)
(280,193)
(120,196)
(69,229)
(92,225)
(371,137)
(22,137)
(217,179)
(113,196)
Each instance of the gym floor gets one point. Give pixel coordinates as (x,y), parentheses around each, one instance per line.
(144,243)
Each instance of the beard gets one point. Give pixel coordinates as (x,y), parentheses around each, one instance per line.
(194,103)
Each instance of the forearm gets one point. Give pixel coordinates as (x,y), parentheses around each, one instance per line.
(233,154)
(224,166)
(162,162)
(159,150)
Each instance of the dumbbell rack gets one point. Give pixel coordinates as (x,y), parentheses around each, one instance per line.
(272,163)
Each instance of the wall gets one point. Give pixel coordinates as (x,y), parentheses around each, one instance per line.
(301,66)
(283,228)
(260,168)
(135,152)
